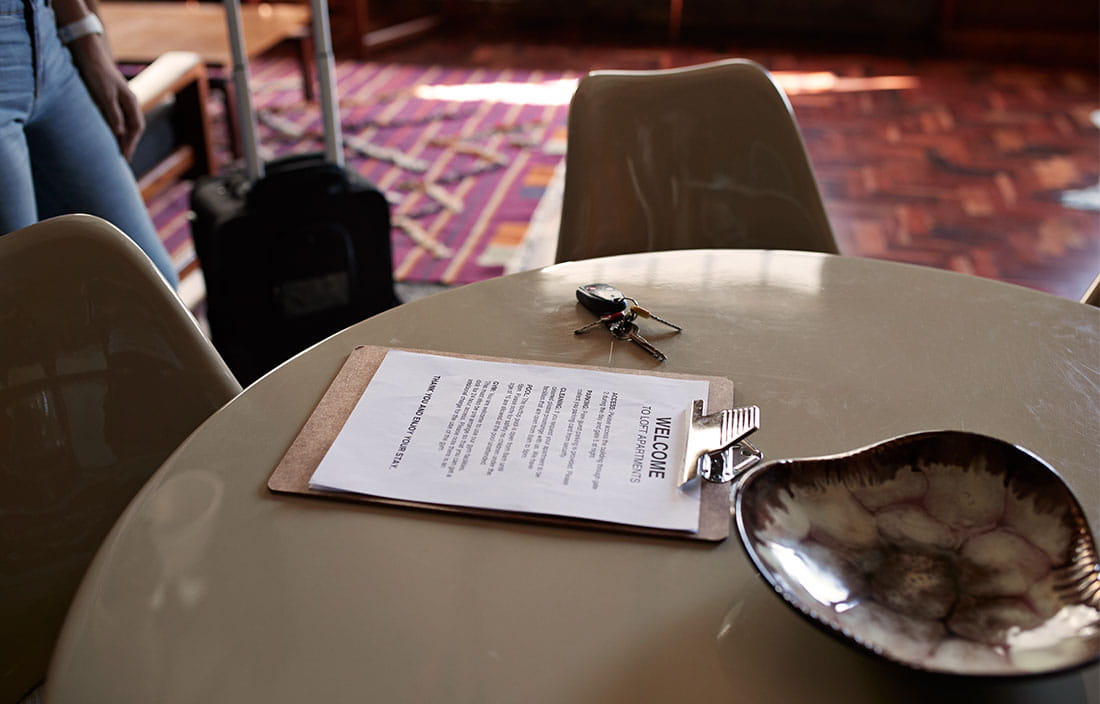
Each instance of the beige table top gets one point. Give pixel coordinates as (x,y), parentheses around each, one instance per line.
(211,589)
(141,31)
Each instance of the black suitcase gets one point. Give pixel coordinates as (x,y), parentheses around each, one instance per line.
(294,250)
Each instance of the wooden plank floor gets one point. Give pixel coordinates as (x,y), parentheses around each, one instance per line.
(978,167)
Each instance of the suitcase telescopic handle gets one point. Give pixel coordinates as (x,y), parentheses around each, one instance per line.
(326,77)
(325,65)
(246,117)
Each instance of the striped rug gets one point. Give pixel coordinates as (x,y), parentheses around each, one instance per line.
(463,156)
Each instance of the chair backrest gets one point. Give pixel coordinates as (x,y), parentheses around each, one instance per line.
(1092,293)
(103,372)
(706,156)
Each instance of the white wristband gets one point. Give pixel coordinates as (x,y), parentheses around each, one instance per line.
(88,24)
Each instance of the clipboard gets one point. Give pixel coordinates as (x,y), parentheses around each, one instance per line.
(293,473)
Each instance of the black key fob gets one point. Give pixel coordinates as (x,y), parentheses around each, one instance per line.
(601,299)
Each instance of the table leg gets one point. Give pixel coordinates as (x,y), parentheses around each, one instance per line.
(304,42)
(368,40)
(232,120)
(361,23)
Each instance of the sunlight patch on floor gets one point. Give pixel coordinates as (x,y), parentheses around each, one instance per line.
(557,92)
(799,82)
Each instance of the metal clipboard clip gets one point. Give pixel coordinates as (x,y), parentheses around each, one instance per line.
(717,445)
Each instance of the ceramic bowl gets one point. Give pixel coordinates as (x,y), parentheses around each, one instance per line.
(944,551)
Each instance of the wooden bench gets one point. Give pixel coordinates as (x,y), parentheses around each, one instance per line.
(140,32)
(176,144)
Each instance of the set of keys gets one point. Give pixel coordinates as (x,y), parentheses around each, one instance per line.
(617,312)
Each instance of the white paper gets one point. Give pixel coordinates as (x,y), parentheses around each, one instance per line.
(518,437)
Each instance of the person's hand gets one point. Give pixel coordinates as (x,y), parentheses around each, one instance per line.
(109,90)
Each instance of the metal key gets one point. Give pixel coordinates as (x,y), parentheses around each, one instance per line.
(617,313)
(605,299)
(606,320)
(627,330)
(638,310)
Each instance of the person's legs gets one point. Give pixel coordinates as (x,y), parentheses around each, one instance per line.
(17,205)
(75,159)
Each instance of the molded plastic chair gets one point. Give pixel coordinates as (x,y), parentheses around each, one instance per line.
(706,156)
(103,373)
(1092,293)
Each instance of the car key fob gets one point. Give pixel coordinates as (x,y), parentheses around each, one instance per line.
(601,299)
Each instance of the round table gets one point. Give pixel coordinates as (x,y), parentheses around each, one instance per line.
(212,589)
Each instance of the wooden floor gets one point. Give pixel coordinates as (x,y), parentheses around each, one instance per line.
(973,166)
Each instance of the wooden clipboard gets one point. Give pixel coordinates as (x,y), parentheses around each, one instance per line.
(293,472)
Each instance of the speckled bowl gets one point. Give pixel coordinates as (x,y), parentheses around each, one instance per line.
(944,551)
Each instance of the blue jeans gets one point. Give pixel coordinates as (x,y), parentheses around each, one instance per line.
(57,154)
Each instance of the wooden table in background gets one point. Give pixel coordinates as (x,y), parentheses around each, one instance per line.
(139,32)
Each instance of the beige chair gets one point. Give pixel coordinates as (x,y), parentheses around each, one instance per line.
(103,373)
(705,156)
(1092,294)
